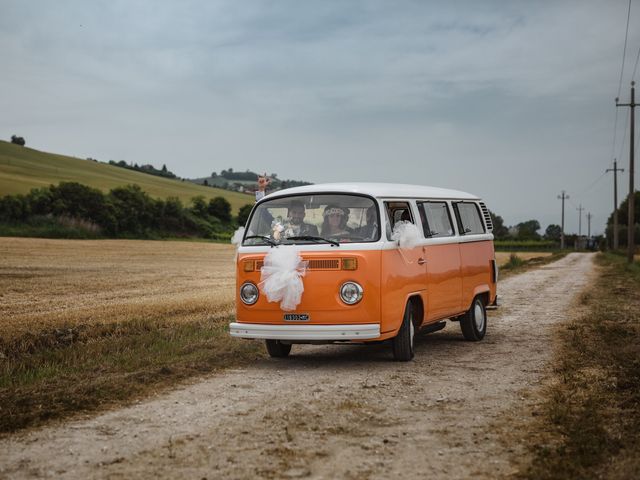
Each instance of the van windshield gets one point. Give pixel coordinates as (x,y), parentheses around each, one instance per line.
(314,218)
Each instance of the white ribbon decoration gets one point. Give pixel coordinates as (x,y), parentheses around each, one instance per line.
(281,277)
(407,235)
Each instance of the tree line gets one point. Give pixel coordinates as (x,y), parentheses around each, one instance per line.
(523,231)
(623,221)
(125,211)
(150,169)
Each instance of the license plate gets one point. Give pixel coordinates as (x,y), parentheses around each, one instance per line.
(296,317)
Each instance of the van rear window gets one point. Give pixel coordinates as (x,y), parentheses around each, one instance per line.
(469,218)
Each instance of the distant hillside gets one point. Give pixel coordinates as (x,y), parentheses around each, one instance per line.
(246,181)
(22,169)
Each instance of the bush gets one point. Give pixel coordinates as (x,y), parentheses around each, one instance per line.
(18,140)
(514,261)
(220,208)
(243,214)
(73,210)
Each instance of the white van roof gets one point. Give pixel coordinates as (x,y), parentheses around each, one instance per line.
(378,190)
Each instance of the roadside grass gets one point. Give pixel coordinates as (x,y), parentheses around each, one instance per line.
(519,263)
(91,367)
(589,423)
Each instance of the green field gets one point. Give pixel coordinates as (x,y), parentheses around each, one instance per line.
(22,169)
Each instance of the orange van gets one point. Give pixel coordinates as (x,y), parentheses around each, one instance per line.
(371,262)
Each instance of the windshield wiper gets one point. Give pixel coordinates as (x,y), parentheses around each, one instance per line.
(314,239)
(262,237)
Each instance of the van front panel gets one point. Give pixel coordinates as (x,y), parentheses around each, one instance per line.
(403,274)
(321,297)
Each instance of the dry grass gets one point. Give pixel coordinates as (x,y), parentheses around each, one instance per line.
(589,423)
(48,284)
(503,257)
(89,324)
(511,263)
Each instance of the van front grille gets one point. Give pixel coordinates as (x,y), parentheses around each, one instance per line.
(314,264)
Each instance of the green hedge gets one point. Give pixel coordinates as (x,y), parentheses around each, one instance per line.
(525,245)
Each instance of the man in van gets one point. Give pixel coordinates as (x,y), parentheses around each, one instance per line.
(297,225)
(369,230)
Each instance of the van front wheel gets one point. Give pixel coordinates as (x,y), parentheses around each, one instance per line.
(277,349)
(403,342)
(474,323)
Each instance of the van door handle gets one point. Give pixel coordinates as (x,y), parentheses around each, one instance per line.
(421,261)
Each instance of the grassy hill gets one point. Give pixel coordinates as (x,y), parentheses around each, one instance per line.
(22,169)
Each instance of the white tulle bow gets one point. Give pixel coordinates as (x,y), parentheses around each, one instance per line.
(281,277)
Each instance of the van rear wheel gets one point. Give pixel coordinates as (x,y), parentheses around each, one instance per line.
(474,323)
(403,342)
(277,349)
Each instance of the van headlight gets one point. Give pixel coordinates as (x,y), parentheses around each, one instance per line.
(351,293)
(249,293)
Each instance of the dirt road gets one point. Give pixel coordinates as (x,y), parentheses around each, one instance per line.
(329,411)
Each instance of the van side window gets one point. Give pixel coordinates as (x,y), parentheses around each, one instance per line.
(396,212)
(436,220)
(399,211)
(468,217)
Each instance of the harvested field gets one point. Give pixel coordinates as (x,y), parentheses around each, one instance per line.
(54,283)
(503,257)
(91,324)
(48,284)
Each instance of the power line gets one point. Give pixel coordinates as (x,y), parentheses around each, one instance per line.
(624,50)
(592,184)
(615,131)
(624,54)
(635,67)
(624,136)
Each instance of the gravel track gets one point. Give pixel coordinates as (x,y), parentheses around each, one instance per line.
(332,411)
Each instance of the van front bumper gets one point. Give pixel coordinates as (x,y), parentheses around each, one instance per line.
(292,332)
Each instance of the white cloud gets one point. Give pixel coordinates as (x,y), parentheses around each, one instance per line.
(471,95)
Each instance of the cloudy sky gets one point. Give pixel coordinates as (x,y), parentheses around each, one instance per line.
(513,101)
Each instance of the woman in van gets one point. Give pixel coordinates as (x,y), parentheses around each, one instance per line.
(335,221)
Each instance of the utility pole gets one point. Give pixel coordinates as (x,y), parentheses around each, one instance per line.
(580,209)
(615,171)
(631,200)
(563,197)
(589,224)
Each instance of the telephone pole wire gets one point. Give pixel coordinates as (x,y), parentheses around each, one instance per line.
(631,224)
(615,171)
(563,197)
